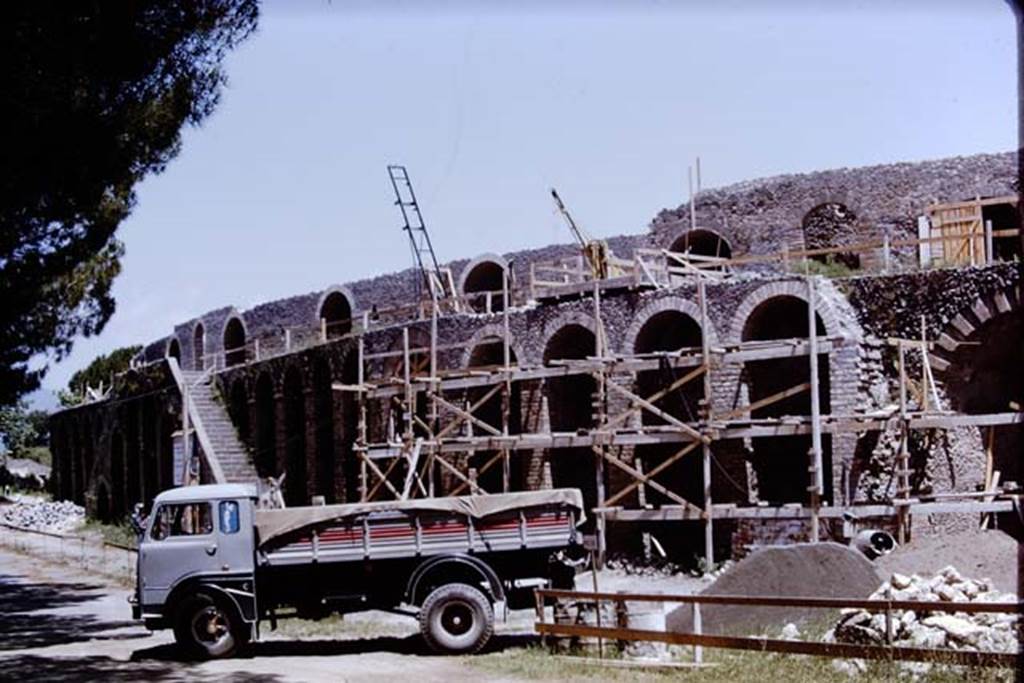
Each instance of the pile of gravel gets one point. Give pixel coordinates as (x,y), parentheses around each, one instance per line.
(58,517)
(924,628)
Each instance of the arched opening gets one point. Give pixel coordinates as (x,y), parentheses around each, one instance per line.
(323,403)
(239,410)
(266,429)
(295,439)
(174,351)
(782,463)
(66,456)
(349,425)
(831,225)
(670,331)
(234,343)
(702,242)
(984,377)
(133,470)
(117,472)
(489,465)
(199,347)
(483,282)
(336,314)
(77,467)
(570,408)
(150,485)
(103,512)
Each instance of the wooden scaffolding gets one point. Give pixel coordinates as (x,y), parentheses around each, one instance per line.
(429,427)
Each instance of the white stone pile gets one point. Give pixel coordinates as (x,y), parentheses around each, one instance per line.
(989,632)
(56,517)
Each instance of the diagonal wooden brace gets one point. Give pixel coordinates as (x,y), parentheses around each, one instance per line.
(685,379)
(662,466)
(650,407)
(633,472)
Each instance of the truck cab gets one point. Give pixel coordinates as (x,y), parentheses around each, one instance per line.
(199,541)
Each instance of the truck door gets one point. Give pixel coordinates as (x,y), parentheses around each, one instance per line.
(181,542)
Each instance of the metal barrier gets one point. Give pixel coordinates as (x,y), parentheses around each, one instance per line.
(111,560)
(764,644)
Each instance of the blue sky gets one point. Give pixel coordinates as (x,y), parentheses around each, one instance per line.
(284,189)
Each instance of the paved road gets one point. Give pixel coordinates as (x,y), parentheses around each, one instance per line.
(59,624)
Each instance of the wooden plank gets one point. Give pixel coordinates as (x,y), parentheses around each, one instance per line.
(669,513)
(961,657)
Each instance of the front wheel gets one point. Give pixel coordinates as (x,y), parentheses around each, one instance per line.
(456,619)
(207,630)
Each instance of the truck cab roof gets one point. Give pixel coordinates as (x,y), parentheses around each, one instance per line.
(206,492)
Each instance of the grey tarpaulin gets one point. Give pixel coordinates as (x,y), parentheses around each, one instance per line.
(271,524)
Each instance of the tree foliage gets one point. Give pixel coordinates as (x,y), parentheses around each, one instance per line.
(95,95)
(22,429)
(100,372)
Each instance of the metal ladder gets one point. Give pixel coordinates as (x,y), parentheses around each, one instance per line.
(440,284)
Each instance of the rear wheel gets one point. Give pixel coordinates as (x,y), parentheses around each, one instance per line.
(456,619)
(206,629)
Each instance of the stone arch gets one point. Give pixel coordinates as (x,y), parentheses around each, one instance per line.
(335,310)
(702,242)
(831,224)
(485,273)
(488,351)
(670,329)
(782,462)
(569,406)
(324,431)
(173,350)
(265,436)
(484,333)
(199,346)
(835,324)
(295,485)
(238,407)
(667,303)
(117,472)
(233,341)
(977,360)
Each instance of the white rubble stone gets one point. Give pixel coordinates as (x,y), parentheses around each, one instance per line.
(957,628)
(790,632)
(900,581)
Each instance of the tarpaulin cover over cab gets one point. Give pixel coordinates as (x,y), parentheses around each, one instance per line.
(272,524)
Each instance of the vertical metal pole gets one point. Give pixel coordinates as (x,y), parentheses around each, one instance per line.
(818,485)
(698,630)
(185,434)
(989,249)
(705,347)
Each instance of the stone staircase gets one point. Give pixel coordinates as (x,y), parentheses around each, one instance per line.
(228,449)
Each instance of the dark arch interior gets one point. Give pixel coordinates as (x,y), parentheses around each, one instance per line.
(831,225)
(174,351)
(782,462)
(239,408)
(198,347)
(490,353)
(323,402)
(103,503)
(150,484)
(117,472)
(1004,217)
(133,488)
(295,439)
(266,433)
(671,331)
(66,485)
(486,276)
(336,312)
(234,343)
(985,378)
(702,242)
(569,409)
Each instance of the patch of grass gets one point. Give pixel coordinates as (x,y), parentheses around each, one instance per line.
(830,268)
(119,533)
(537,663)
(349,627)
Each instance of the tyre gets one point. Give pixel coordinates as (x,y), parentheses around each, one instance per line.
(456,619)
(206,629)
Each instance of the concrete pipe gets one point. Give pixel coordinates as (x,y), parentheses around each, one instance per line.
(874,543)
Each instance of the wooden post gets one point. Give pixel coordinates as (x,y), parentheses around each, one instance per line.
(989,253)
(256,348)
(705,347)
(924,366)
(903,460)
(361,430)
(185,434)
(287,339)
(434,409)
(323,329)
(410,397)
(817,486)
(698,630)
(886,252)
(599,419)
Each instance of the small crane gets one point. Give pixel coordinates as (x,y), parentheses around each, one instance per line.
(596,252)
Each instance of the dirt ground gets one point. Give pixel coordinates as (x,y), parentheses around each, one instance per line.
(976,554)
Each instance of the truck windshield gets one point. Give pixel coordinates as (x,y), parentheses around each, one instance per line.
(185,519)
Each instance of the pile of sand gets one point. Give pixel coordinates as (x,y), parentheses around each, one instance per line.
(988,553)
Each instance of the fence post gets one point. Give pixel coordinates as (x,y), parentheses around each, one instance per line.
(989,256)
(886,253)
(698,630)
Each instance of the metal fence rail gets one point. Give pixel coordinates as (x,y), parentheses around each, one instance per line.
(765,644)
(112,560)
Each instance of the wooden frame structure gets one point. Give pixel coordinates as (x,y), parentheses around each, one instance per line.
(428,423)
